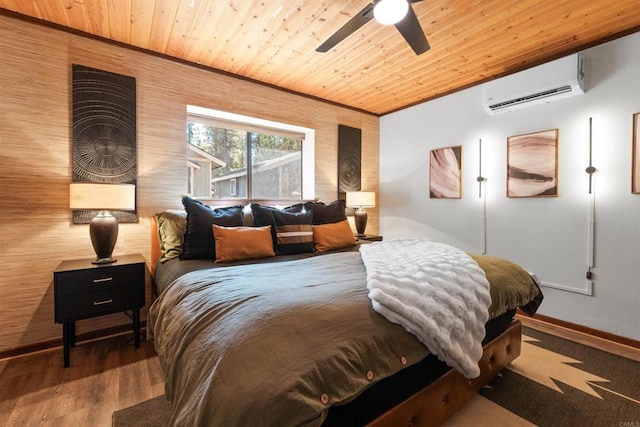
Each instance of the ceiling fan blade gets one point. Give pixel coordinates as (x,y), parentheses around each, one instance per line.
(410,29)
(361,18)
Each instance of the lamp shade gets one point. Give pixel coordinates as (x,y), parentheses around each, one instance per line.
(361,199)
(90,196)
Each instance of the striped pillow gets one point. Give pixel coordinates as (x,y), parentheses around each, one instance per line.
(294,232)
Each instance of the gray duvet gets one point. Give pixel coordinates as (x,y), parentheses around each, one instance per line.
(278,344)
(273,344)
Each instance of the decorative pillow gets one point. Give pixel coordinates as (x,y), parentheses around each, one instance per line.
(263,216)
(198,237)
(328,237)
(326,214)
(294,232)
(239,243)
(171,228)
(247,216)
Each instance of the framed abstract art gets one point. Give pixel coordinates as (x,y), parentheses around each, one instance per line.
(532,164)
(635,166)
(349,160)
(445,173)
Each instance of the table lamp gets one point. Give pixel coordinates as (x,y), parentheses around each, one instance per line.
(361,200)
(103,228)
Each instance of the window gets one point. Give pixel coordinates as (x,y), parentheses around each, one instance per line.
(241,157)
(233,187)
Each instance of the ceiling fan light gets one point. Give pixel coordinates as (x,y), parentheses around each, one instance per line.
(389,12)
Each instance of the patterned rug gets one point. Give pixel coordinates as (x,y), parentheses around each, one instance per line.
(554,382)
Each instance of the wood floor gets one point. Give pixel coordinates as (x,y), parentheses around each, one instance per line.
(110,374)
(104,376)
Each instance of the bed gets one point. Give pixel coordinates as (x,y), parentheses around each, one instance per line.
(293,339)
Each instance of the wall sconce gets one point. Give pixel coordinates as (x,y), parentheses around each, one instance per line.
(480,178)
(361,200)
(103,228)
(590,169)
(592,211)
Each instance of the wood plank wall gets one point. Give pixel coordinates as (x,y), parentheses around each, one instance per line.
(36,231)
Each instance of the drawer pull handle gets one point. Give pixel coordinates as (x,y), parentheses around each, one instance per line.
(107,301)
(106,279)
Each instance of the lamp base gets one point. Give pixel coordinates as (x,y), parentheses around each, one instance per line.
(103,230)
(104,260)
(361,221)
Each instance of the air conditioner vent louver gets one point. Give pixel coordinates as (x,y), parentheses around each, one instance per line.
(529,98)
(555,80)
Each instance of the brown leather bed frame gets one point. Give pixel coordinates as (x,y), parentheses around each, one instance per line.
(438,401)
(435,403)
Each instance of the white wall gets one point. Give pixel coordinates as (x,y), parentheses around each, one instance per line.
(547,236)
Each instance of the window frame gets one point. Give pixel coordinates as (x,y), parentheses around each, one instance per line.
(228,120)
(233,187)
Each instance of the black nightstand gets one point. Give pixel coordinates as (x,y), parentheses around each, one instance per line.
(83,290)
(369,238)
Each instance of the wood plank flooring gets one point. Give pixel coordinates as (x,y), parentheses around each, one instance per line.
(581,337)
(104,376)
(110,374)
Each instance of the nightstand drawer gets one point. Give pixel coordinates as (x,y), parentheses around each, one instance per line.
(98,279)
(89,304)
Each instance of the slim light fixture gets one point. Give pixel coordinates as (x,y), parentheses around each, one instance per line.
(592,211)
(481,179)
(103,228)
(590,169)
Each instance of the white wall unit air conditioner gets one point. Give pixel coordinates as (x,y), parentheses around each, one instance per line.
(548,82)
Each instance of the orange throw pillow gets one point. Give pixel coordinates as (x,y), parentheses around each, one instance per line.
(238,243)
(328,237)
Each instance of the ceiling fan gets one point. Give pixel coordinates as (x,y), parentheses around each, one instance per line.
(386,12)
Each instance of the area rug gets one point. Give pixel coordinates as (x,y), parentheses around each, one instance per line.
(554,382)
(155,412)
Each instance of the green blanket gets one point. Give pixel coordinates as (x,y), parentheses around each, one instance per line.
(511,286)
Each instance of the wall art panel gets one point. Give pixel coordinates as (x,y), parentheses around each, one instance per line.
(104,133)
(635,174)
(532,164)
(445,173)
(349,160)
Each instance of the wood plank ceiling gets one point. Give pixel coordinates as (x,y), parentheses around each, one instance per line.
(373,70)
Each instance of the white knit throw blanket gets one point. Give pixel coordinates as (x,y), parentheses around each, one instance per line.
(436,292)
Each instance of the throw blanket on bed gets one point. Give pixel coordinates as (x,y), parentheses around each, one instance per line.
(436,292)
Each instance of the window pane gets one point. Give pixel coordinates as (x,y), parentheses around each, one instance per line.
(220,156)
(276,171)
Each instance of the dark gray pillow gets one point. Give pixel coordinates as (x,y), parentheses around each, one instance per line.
(326,214)
(263,216)
(198,240)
